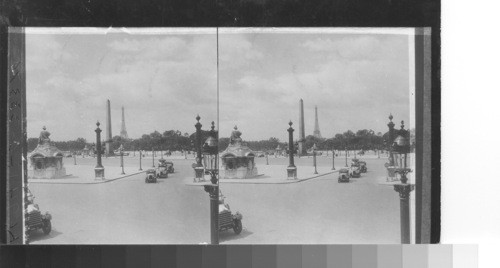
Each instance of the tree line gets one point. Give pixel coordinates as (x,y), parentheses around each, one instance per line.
(175,140)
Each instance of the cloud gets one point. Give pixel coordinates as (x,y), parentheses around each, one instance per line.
(353,81)
(163,82)
(355,47)
(237,51)
(44,52)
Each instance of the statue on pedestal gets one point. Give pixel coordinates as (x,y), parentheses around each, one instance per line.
(237,159)
(46,159)
(44,137)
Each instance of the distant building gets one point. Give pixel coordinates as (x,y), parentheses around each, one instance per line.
(123,132)
(316,132)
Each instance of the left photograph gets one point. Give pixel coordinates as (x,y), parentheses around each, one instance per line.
(115,121)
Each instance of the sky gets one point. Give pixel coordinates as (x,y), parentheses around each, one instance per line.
(165,78)
(162,80)
(355,80)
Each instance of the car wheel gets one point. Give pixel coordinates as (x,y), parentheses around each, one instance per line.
(47,227)
(237,226)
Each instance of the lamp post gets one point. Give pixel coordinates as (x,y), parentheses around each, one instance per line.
(291,169)
(140,159)
(74,157)
(391,138)
(198,169)
(402,147)
(267,158)
(333,159)
(99,169)
(296,148)
(153,153)
(121,159)
(346,157)
(314,158)
(210,157)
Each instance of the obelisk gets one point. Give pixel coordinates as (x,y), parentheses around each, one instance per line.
(123,132)
(316,132)
(302,132)
(109,136)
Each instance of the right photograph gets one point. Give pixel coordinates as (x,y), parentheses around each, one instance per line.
(318,135)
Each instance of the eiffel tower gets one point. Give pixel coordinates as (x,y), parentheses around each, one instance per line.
(123,132)
(316,132)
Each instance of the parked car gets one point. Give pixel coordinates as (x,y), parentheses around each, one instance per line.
(344,175)
(362,167)
(35,219)
(151,176)
(117,153)
(170,166)
(162,170)
(228,220)
(355,171)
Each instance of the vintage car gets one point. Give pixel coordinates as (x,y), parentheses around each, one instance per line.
(355,168)
(362,167)
(162,170)
(35,219)
(166,165)
(170,167)
(344,175)
(151,176)
(228,220)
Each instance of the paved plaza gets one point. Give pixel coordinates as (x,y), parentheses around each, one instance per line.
(127,210)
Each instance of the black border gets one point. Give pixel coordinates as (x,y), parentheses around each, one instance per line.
(227,13)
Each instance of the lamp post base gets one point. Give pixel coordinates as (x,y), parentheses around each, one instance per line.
(291,173)
(213,191)
(99,173)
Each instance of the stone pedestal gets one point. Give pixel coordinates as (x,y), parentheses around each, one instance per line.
(239,173)
(291,173)
(47,160)
(49,173)
(99,173)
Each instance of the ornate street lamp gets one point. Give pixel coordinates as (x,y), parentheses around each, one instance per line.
(140,159)
(153,153)
(346,157)
(121,158)
(99,169)
(391,138)
(333,159)
(314,158)
(401,146)
(291,169)
(198,168)
(210,159)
